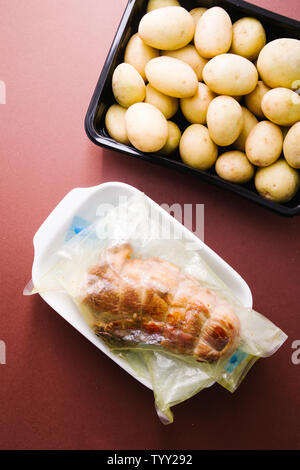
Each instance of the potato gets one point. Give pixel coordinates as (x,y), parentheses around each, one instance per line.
(291,146)
(264,143)
(195,108)
(234,166)
(253,100)
(197,13)
(230,74)
(189,55)
(172,77)
(115,123)
(173,140)
(137,54)
(278,182)
(248,38)
(224,120)
(166,104)
(167,28)
(154,4)
(147,127)
(281,106)
(249,121)
(213,34)
(279,63)
(196,147)
(127,85)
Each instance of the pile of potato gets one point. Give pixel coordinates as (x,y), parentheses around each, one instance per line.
(231,86)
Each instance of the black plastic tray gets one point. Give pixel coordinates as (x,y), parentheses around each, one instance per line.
(275,25)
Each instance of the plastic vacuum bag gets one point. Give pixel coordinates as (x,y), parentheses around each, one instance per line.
(175,376)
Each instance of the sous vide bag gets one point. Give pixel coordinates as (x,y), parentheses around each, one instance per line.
(175,377)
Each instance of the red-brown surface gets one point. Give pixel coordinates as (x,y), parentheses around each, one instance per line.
(57,390)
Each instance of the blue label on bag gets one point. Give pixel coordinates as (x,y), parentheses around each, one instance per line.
(78,224)
(235,360)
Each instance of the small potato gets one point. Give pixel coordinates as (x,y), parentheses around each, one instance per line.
(291,146)
(154,4)
(278,63)
(234,166)
(137,54)
(197,13)
(264,144)
(224,120)
(230,74)
(115,123)
(147,127)
(249,121)
(195,108)
(173,139)
(213,34)
(277,182)
(196,147)
(167,28)
(172,77)
(127,85)
(253,100)
(248,38)
(189,55)
(166,104)
(281,106)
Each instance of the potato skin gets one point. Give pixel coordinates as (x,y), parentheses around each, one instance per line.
(115,123)
(197,13)
(147,127)
(127,85)
(230,74)
(154,4)
(234,166)
(173,140)
(172,77)
(281,106)
(166,104)
(248,38)
(277,182)
(167,28)
(224,120)
(253,99)
(196,147)
(213,34)
(137,54)
(264,144)
(291,146)
(278,63)
(195,108)
(189,55)
(249,121)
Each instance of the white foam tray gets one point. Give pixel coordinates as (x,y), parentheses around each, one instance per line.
(83,202)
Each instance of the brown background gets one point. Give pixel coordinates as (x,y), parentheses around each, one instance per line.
(57,390)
